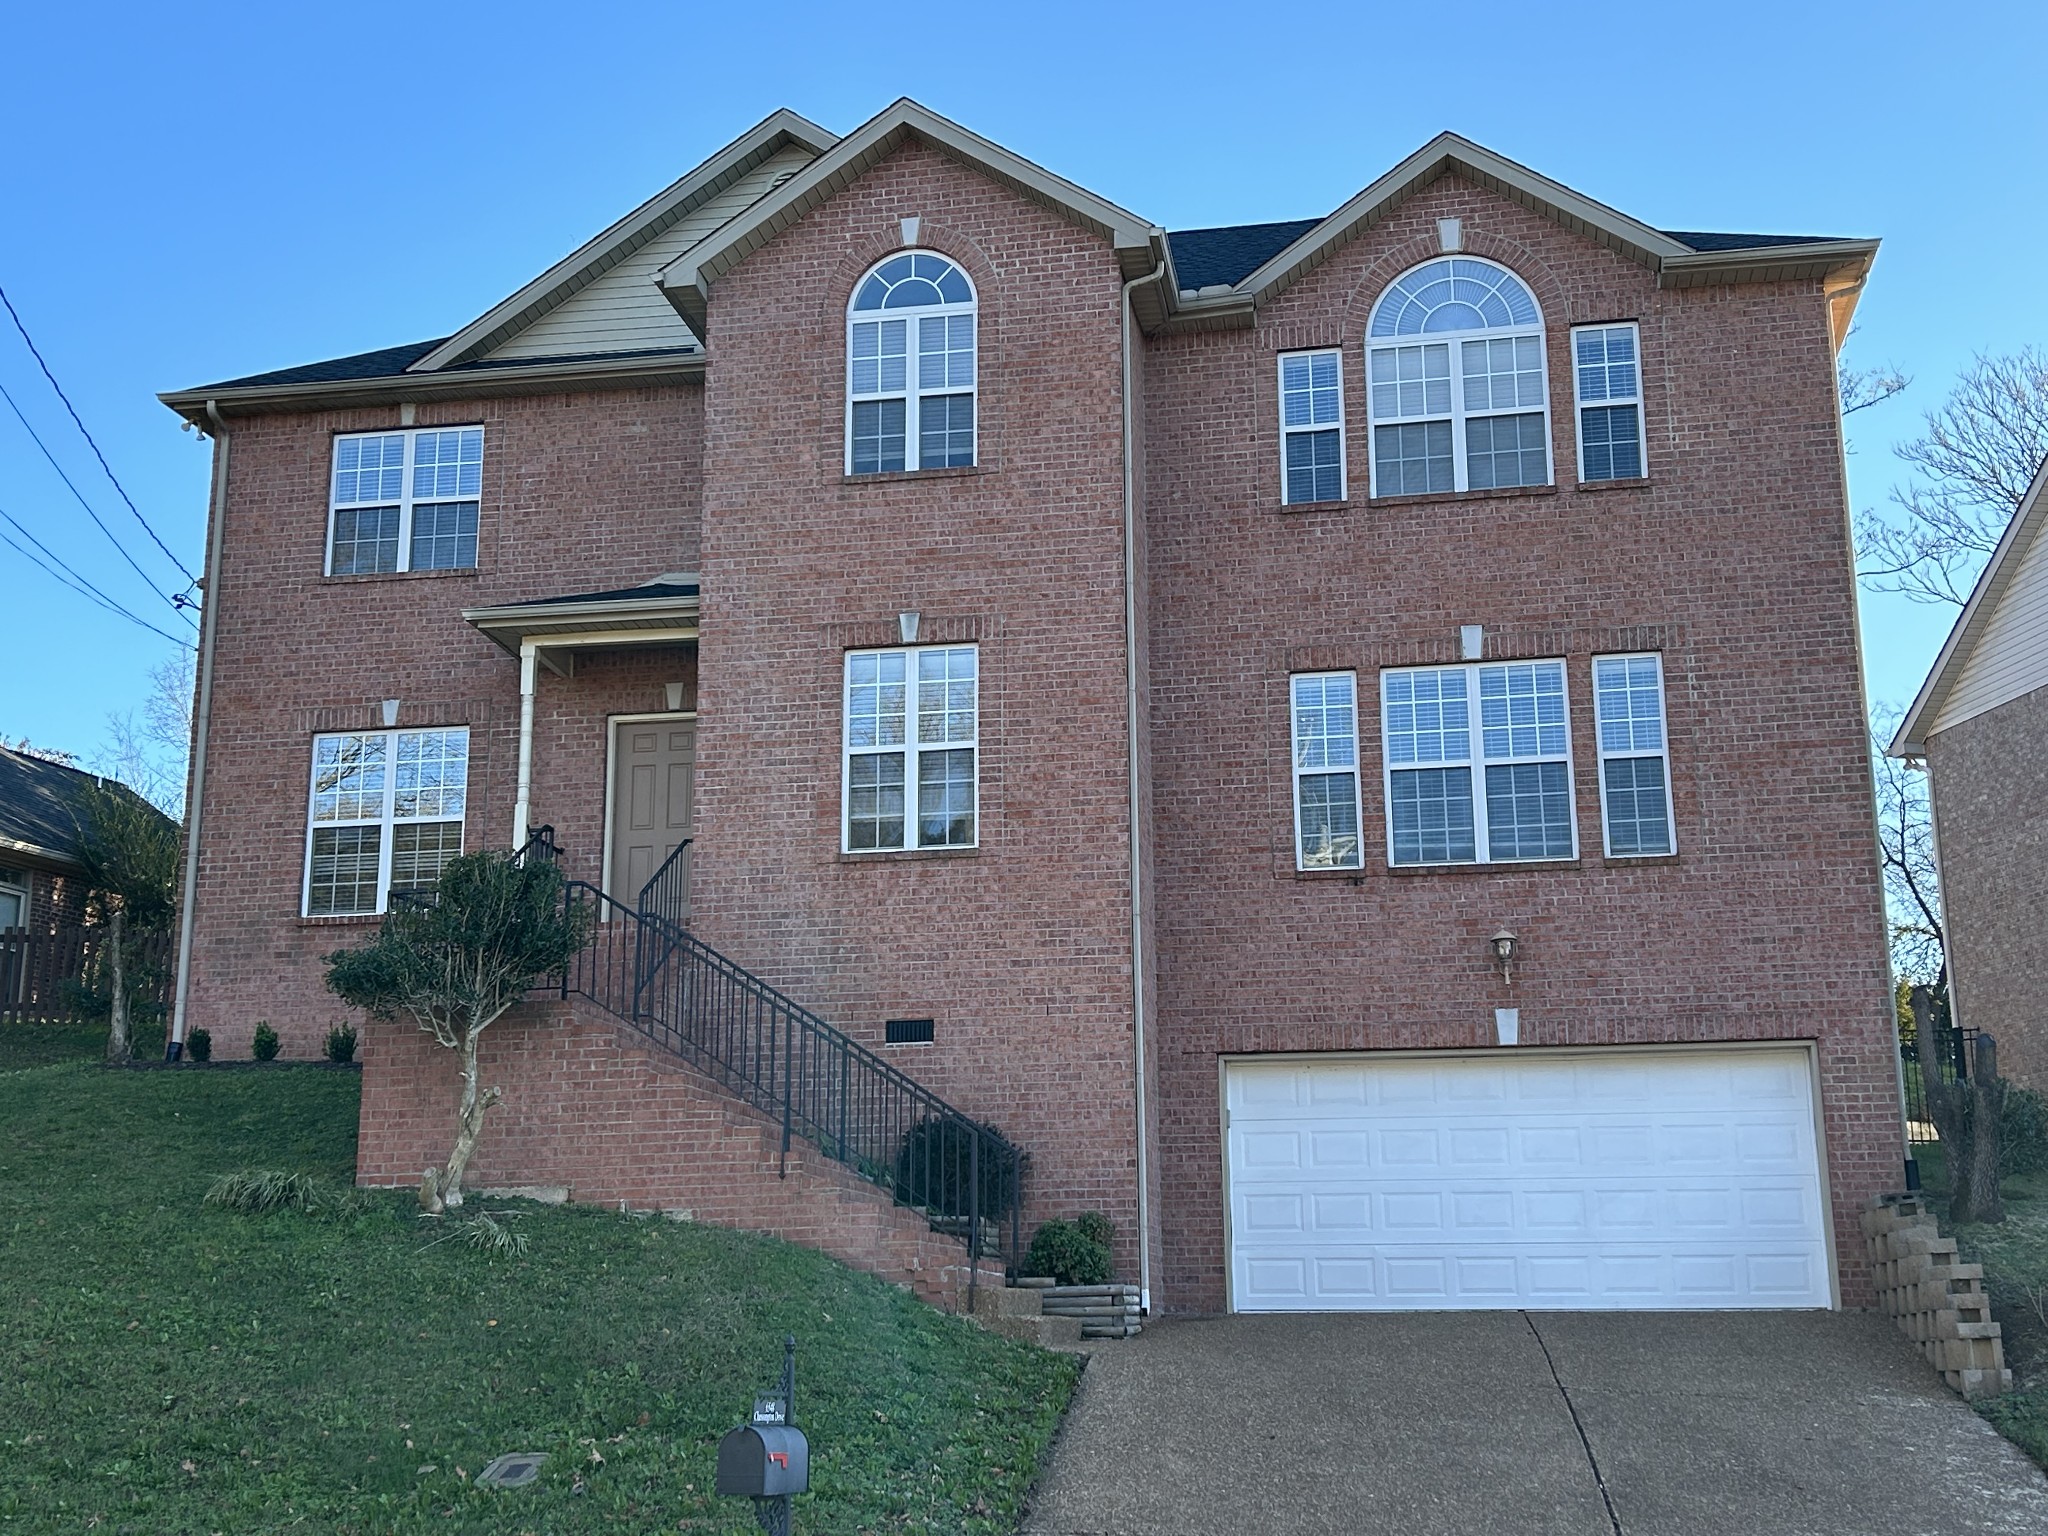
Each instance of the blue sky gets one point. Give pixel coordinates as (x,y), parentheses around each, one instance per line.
(197,195)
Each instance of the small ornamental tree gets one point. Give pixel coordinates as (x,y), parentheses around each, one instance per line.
(454,964)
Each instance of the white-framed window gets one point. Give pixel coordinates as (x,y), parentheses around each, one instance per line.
(1456,382)
(1635,756)
(1326,806)
(911,752)
(1607,384)
(1478,763)
(910,368)
(405,501)
(385,815)
(1312,426)
(14,902)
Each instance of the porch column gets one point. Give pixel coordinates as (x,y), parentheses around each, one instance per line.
(529,657)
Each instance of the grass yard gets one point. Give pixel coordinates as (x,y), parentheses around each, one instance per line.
(2014,1254)
(168,1367)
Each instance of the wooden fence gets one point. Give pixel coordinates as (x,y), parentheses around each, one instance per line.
(60,975)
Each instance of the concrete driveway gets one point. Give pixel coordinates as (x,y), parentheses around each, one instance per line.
(1528,1424)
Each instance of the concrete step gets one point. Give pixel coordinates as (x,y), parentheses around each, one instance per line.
(1006,1301)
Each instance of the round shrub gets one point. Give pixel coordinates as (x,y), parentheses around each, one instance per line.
(341,1044)
(1064,1250)
(199,1045)
(264,1046)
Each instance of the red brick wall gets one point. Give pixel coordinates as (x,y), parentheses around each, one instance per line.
(1732,560)
(1020,950)
(580,493)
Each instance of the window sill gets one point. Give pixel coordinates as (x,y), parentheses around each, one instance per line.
(361,576)
(893,476)
(1492,494)
(895,855)
(1497,867)
(1356,876)
(339,920)
(1633,483)
(1343,505)
(1640,860)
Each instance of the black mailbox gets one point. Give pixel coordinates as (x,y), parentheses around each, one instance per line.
(764,1461)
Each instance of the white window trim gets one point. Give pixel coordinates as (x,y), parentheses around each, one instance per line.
(25,888)
(1460,474)
(1357,773)
(1664,721)
(1579,405)
(387,821)
(912,394)
(1478,764)
(406,499)
(1343,436)
(911,749)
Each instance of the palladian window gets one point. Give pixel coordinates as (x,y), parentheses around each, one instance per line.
(910,367)
(1456,381)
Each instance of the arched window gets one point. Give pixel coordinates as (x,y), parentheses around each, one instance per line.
(1458,396)
(910,367)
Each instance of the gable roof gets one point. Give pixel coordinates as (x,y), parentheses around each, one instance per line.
(1140,245)
(1996,579)
(42,806)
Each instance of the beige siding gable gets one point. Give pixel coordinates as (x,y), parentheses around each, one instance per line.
(623,310)
(2010,656)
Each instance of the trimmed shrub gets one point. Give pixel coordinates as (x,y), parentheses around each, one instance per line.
(1096,1227)
(2023,1132)
(934,1170)
(341,1044)
(199,1045)
(264,1046)
(1066,1251)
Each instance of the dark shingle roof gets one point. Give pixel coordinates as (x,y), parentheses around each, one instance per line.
(1701,241)
(1205,257)
(391,362)
(652,589)
(43,803)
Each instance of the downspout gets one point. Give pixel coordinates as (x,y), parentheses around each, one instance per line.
(1131,700)
(529,656)
(202,715)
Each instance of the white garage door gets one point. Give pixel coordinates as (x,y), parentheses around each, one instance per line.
(1525,1179)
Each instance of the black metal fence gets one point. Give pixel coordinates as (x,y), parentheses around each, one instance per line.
(1951,1052)
(822,1086)
(666,897)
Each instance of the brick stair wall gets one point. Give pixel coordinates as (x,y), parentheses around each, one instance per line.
(592,1108)
(1938,1300)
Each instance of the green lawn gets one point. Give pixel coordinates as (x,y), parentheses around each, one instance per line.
(2014,1254)
(168,1367)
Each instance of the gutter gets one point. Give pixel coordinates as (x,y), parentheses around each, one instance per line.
(1131,700)
(201,718)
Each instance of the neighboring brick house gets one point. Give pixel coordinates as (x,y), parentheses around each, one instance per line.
(1133,682)
(1980,729)
(43,815)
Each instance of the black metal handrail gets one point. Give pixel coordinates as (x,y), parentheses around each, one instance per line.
(666,895)
(774,1054)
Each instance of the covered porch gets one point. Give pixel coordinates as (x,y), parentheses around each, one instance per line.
(607,726)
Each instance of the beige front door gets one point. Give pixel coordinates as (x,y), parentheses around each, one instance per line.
(654,771)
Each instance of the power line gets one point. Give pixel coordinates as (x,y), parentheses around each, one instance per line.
(149,580)
(190,579)
(76,582)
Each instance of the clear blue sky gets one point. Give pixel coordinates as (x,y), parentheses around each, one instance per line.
(193,195)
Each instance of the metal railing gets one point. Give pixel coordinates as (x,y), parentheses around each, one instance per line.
(823,1086)
(666,896)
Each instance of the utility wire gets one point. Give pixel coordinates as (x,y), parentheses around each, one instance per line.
(190,579)
(76,582)
(176,607)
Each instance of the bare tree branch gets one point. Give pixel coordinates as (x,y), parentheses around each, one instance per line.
(1905,844)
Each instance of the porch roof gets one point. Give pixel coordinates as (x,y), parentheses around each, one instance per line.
(657,612)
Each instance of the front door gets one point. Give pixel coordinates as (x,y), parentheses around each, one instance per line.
(654,770)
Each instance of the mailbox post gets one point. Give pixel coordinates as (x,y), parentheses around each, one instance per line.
(768,1460)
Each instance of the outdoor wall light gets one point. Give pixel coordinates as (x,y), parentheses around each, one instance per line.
(1504,945)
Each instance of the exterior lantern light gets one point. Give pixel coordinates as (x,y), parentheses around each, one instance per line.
(1504,945)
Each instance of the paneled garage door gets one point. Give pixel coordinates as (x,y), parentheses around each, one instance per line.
(1525,1178)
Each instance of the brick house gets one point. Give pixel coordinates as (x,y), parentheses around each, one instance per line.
(1340,739)
(43,809)
(1977,727)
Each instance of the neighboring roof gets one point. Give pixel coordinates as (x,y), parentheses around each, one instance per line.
(42,806)
(1203,258)
(1140,245)
(1910,740)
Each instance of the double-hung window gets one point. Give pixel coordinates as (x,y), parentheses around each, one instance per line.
(405,501)
(1456,381)
(1478,763)
(910,368)
(912,748)
(1635,765)
(386,815)
(1608,379)
(1312,426)
(1326,812)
